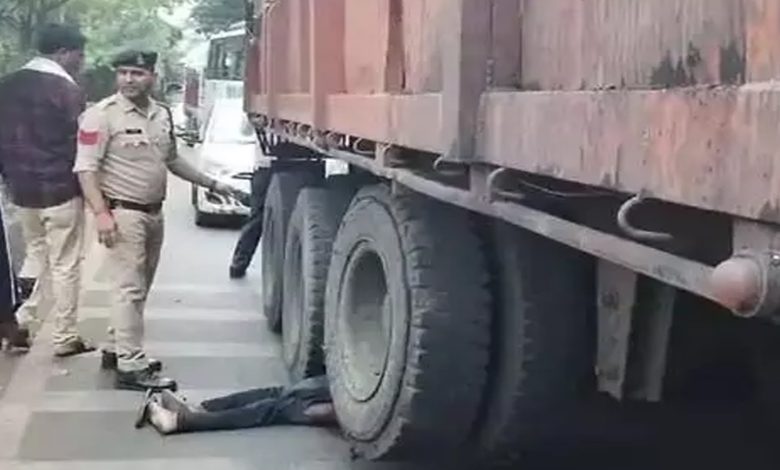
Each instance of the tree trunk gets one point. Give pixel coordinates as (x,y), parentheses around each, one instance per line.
(26,27)
(37,13)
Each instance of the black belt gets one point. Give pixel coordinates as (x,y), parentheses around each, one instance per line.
(134,206)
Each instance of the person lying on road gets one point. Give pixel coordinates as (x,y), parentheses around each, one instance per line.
(306,403)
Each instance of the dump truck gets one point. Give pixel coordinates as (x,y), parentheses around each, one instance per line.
(546,201)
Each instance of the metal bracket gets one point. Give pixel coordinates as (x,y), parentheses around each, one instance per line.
(634,326)
(448,167)
(635,233)
(616,298)
(367,152)
(334,140)
(494,181)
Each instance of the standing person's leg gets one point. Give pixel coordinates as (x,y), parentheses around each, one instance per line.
(129,259)
(9,329)
(64,227)
(155,228)
(253,228)
(154,242)
(34,236)
(34,266)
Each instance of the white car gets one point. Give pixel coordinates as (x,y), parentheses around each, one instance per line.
(228,152)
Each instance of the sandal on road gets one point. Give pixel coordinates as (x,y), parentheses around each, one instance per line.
(142,416)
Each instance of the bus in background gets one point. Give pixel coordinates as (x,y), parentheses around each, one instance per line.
(214,70)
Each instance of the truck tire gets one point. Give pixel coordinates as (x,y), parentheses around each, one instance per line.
(407,313)
(279,203)
(542,351)
(313,226)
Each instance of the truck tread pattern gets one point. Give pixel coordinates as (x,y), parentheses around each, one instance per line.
(313,224)
(279,204)
(542,351)
(444,371)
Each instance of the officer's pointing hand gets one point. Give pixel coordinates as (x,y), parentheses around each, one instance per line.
(228,190)
(106,227)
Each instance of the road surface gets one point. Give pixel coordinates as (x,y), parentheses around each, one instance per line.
(211,337)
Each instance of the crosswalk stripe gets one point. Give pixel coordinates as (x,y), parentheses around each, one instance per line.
(160,313)
(221,349)
(150,464)
(106,400)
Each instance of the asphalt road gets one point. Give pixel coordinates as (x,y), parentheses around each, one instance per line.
(211,336)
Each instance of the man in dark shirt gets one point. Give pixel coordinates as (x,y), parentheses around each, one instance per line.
(39,111)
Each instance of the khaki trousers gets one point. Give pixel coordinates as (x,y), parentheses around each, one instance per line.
(35,267)
(54,241)
(133,262)
(35,256)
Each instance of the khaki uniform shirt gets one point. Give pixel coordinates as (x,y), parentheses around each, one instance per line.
(128,148)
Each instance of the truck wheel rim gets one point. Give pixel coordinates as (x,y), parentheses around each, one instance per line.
(366,323)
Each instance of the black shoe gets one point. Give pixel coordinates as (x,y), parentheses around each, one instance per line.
(26,286)
(19,339)
(109,361)
(237,273)
(143,380)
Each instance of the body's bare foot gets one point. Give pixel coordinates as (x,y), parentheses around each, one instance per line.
(174,402)
(163,420)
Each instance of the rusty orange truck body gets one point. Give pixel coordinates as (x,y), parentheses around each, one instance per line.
(603,172)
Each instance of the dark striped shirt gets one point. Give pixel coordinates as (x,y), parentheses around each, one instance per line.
(39,115)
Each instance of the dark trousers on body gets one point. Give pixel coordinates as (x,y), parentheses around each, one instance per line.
(253,228)
(258,407)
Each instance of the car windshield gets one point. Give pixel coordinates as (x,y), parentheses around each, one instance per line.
(231,128)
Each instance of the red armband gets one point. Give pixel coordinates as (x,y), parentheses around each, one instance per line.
(88,137)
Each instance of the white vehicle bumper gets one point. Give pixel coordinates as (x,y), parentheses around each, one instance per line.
(210,202)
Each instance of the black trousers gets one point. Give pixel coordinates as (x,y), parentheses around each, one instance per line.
(8,287)
(253,228)
(258,407)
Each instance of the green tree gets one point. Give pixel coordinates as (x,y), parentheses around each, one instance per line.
(24,16)
(115,25)
(110,25)
(19,20)
(216,15)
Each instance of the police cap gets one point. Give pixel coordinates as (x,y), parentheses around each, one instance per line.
(133,58)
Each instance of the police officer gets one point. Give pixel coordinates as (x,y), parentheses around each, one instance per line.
(125,148)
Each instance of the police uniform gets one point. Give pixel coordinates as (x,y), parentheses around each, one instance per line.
(131,150)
